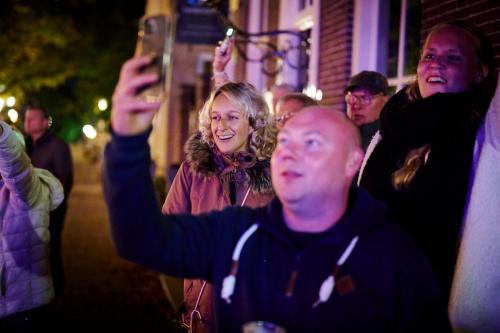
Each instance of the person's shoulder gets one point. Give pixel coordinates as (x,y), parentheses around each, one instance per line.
(185,168)
(55,140)
(390,239)
(371,219)
(195,172)
(199,156)
(60,141)
(48,180)
(364,207)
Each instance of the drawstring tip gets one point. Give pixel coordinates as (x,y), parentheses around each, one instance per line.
(228,288)
(325,291)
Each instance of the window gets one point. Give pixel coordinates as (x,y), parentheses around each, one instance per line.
(303,68)
(386,38)
(403,42)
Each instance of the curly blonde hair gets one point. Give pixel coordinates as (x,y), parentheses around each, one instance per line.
(247,99)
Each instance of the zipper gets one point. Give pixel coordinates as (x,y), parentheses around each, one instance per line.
(292,280)
(3,278)
(232,187)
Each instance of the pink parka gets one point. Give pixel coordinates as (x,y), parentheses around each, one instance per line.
(198,188)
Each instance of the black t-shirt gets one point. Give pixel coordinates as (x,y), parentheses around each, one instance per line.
(302,239)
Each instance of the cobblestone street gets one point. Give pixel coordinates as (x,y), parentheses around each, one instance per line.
(102,290)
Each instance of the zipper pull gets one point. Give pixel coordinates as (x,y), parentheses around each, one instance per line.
(290,286)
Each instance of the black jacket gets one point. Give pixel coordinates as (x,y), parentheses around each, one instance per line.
(431,208)
(51,153)
(385,285)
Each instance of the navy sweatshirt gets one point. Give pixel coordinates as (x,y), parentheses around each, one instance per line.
(385,285)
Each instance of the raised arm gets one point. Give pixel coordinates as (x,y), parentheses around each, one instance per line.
(130,114)
(181,246)
(19,176)
(221,59)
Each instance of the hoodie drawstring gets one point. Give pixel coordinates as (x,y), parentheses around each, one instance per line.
(326,289)
(230,281)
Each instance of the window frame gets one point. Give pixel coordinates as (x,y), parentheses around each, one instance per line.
(370,40)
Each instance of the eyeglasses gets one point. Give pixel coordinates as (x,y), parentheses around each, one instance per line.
(282,119)
(364,99)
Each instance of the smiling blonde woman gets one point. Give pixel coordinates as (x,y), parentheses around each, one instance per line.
(227,163)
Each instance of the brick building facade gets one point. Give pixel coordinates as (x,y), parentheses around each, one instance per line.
(346,36)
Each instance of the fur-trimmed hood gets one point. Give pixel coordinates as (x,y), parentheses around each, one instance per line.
(200,157)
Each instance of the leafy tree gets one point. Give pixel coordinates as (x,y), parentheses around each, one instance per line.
(66,55)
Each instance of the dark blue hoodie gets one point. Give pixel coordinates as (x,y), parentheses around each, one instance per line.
(384,284)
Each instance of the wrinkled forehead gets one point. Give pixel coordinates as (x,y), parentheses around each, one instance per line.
(326,123)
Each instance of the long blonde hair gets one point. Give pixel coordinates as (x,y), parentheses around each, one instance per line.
(248,100)
(416,158)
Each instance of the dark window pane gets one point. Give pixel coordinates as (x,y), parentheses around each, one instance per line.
(393,40)
(302,4)
(303,64)
(412,47)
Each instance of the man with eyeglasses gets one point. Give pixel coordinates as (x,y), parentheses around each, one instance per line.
(288,105)
(365,95)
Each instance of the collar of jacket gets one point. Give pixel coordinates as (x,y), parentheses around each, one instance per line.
(41,140)
(237,162)
(200,157)
(411,124)
(362,215)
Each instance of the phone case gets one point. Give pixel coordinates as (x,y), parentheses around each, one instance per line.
(152,40)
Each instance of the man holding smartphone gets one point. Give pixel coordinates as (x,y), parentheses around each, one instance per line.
(320,257)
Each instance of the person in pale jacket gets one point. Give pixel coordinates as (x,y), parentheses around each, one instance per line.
(27,195)
(473,305)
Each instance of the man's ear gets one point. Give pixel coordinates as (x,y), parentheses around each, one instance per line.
(46,122)
(354,160)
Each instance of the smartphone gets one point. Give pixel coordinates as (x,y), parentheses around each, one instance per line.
(152,40)
(225,43)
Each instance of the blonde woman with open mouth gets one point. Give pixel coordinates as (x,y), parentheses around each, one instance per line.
(227,163)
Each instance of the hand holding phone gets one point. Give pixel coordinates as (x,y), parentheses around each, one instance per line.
(225,43)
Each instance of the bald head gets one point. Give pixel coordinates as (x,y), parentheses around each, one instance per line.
(330,120)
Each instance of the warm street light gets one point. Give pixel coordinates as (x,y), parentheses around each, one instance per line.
(11,101)
(313,92)
(102,104)
(89,131)
(2,103)
(13,115)
(319,95)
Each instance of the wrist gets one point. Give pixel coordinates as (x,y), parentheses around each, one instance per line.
(220,77)
(219,73)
